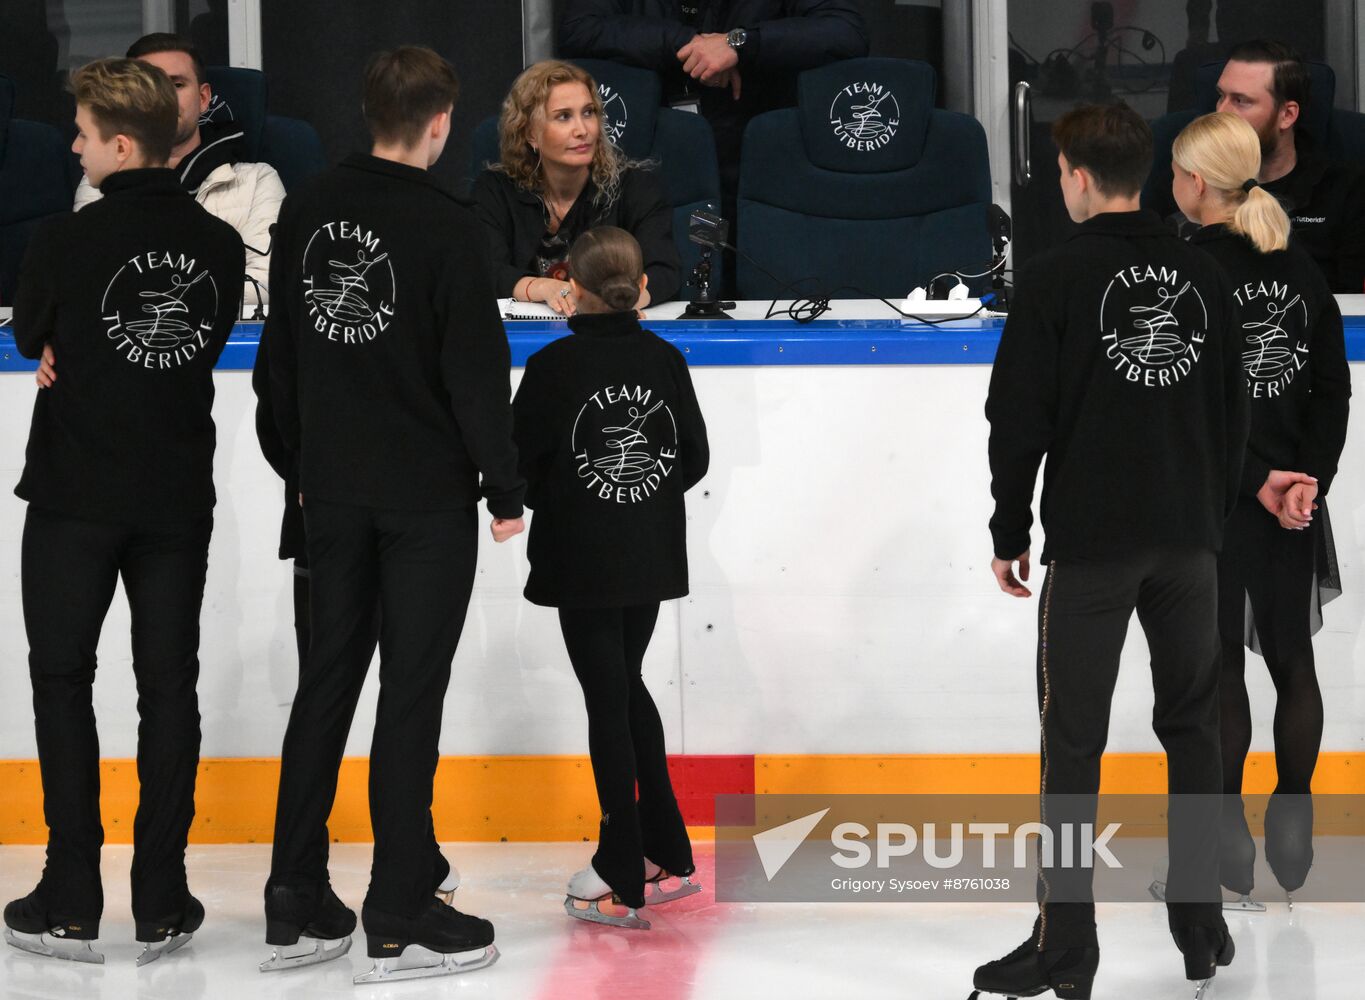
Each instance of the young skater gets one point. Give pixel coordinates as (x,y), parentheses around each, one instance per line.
(1272,582)
(132,301)
(1120,365)
(610,438)
(388,369)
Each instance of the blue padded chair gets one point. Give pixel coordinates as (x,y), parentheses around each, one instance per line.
(289,145)
(1340,133)
(864,188)
(679,141)
(36,183)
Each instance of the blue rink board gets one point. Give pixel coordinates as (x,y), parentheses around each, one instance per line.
(746,342)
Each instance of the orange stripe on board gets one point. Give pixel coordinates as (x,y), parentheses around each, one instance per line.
(531,798)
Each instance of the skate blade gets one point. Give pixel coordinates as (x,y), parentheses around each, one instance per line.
(417,962)
(1157,890)
(151,951)
(593,914)
(308,951)
(49,947)
(1244,904)
(655,893)
(1201,989)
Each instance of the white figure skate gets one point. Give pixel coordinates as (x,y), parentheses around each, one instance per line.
(587,887)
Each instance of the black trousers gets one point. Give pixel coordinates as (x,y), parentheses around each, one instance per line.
(626,743)
(70,568)
(303,636)
(1083,619)
(1272,569)
(417,567)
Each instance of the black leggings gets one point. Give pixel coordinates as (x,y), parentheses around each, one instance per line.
(1272,568)
(626,743)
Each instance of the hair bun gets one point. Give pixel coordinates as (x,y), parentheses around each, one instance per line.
(619,293)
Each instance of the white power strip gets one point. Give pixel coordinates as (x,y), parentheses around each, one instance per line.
(940,308)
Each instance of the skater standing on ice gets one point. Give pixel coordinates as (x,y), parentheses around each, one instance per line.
(1272,582)
(610,438)
(131,302)
(1121,367)
(388,369)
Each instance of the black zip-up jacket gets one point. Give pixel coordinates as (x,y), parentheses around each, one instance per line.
(389,366)
(610,437)
(784,38)
(514,221)
(1120,365)
(137,295)
(1325,201)
(1294,355)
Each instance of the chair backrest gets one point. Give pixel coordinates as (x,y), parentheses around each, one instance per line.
(678,141)
(35,184)
(290,145)
(864,188)
(1340,133)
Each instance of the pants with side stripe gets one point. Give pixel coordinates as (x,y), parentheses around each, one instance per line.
(1084,612)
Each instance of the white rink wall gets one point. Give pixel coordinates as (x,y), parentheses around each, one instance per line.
(841,595)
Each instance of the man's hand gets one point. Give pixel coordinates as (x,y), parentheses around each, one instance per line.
(504,528)
(47,368)
(1296,512)
(1272,491)
(706,57)
(1004,575)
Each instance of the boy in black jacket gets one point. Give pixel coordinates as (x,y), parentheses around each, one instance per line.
(610,437)
(389,376)
(1120,365)
(134,298)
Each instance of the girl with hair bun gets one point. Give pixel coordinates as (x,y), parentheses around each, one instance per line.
(1278,565)
(610,437)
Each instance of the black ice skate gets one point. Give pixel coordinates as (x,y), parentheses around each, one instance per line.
(1237,862)
(1289,840)
(1027,972)
(441,941)
(31,928)
(655,890)
(1205,949)
(161,937)
(305,925)
(588,887)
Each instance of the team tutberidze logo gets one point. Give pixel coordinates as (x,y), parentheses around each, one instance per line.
(159,309)
(865,116)
(1153,324)
(615,114)
(349,283)
(625,443)
(1275,336)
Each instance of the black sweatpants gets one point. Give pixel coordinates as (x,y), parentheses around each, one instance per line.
(1272,568)
(1083,619)
(70,568)
(626,742)
(303,636)
(418,568)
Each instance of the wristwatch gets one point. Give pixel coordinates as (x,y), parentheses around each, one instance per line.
(736,38)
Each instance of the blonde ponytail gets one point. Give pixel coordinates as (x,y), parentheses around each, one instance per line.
(1226,152)
(1261,219)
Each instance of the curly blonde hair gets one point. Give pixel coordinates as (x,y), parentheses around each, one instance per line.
(524,106)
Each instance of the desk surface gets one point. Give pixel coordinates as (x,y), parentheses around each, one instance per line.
(853,332)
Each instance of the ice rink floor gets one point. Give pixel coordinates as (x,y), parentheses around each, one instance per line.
(696,949)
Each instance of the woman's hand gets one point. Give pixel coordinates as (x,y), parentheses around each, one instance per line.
(1296,513)
(552,293)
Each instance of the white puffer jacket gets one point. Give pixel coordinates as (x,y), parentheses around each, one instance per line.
(246,196)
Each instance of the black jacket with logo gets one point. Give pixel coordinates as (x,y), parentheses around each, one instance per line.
(1294,354)
(610,437)
(514,222)
(137,295)
(1120,365)
(1325,200)
(389,367)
